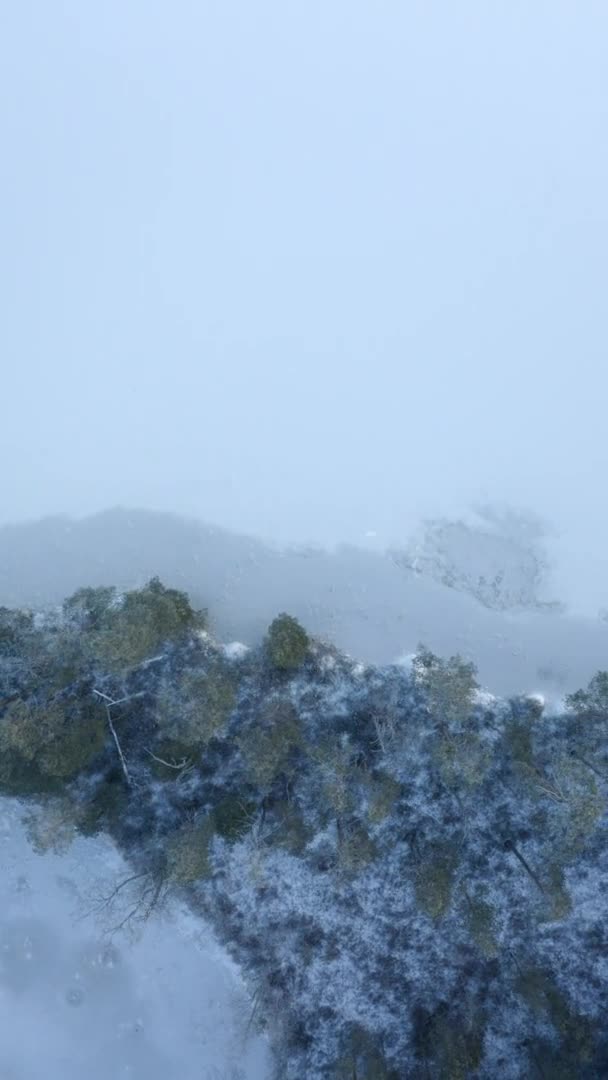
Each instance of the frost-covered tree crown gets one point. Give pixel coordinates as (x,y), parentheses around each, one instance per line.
(411,873)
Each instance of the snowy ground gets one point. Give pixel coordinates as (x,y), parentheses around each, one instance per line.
(77,1001)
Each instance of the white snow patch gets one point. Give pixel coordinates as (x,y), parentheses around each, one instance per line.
(483,697)
(537,696)
(235,650)
(557,706)
(405,660)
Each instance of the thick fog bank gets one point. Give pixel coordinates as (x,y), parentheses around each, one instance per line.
(357,598)
(77,1000)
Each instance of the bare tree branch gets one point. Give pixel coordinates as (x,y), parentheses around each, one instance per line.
(183,764)
(109,702)
(589,765)
(526,866)
(142,894)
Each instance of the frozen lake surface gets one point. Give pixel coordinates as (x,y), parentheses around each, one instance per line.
(79,1001)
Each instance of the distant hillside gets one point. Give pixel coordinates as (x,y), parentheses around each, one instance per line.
(42,561)
(356,598)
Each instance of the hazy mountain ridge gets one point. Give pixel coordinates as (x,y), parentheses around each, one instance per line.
(357,598)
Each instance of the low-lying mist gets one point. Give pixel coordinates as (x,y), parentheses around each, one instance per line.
(487,590)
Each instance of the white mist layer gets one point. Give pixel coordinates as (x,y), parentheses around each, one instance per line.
(78,1001)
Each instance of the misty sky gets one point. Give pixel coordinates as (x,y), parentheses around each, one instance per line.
(305,269)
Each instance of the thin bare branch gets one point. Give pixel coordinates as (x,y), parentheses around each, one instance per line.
(104,696)
(553,793)
(589,765)
(119,701)
(108,705)
(107,900)
(185,762)
(118,746)
(527,868)
(255,1003)
(130,697)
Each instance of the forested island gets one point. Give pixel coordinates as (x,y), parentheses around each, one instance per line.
(411,873)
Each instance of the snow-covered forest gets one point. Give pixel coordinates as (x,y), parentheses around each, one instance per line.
(409,872)
(303,590)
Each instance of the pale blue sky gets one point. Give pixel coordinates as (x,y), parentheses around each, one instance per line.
(309,268)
